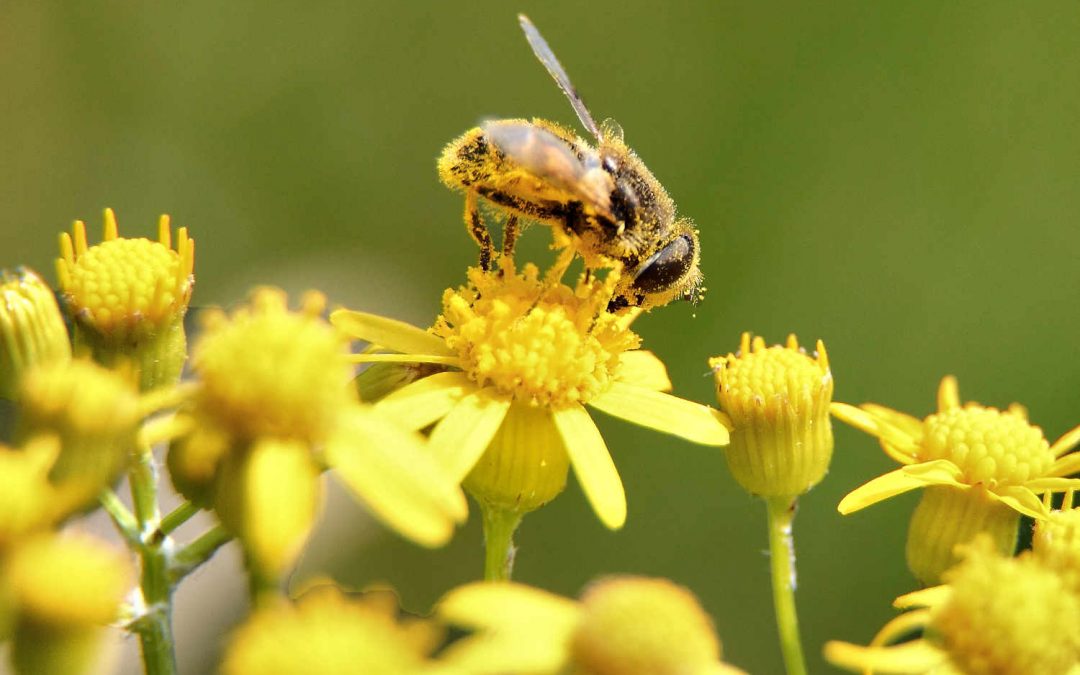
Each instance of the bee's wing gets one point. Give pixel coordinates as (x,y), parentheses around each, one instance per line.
(552,159)
(547,57)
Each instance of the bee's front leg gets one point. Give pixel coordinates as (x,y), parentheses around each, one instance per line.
(510,234)
(479,232)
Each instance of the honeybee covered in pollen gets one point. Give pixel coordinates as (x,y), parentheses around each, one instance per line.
(603,199)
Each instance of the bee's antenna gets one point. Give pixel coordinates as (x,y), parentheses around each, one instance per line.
(547,57)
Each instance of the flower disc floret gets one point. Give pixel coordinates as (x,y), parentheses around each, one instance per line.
(267,371)
(537,342)
(989,446)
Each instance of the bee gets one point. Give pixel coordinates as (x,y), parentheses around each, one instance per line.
(603,201)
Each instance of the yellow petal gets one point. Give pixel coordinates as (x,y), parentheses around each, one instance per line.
(901,627)
(643,369)
(926,597)
(1020,499)
(392,334)
(499,652)
(497,605)
(391,470)
(663,412)
(938,472)
(1069,440)
(1067,465)
(1052,484)
(593,465)
(420,403)
(856,417)
(279,497)
(948,395)
(404,358)
(912,426)
(463,435)
(911,657)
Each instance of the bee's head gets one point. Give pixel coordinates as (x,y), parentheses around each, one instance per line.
(670,272)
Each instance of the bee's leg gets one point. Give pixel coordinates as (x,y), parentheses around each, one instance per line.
(478,231)
(588,275)
(511,230)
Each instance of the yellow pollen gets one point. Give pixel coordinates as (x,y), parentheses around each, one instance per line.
(541,343)
(989,446)
(126,288)
(267,371)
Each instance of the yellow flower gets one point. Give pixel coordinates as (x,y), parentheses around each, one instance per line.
(621,626)
(26,496)
(66,589)
(32,330)
(326,631)
(526,355)
(996,615)
(127,297)
(94,413)
(778,401)
(981,468)
(272,409)
(1056,543)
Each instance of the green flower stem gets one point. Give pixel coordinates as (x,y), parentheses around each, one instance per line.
(180,515)
(122,518)
(155,626)
(197,552)
(781,512)
(499,527)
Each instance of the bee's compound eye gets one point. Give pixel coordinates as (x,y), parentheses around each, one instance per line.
(666,267)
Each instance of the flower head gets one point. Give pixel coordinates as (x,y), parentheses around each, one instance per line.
(128,297)
(27,499)
(272,410)
(982,467)
(326,631)
(777,399)
(66,588)
(32,329)
(95,414)
(996,615)
(621,626)
(1056,543)
(525,353)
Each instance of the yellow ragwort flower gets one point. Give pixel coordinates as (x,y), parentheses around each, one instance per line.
(27,499)
(1056,543)
(521,357)
(777,399)
(32,330)
(996,615)
(67,588)
(127,297)
(326,631)
(272,410)
(94,413)
(621,626)
(981,468)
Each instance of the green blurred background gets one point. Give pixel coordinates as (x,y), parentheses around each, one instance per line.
(898,179)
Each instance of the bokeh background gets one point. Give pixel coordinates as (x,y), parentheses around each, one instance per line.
(898,179)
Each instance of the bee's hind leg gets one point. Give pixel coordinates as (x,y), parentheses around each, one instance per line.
(478,230)
(511,230)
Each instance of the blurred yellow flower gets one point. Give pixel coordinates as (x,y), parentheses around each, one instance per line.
(32,330)
(981,468)
(1056,543)
(526,355)
(94,413)
(272,409)
(27,499)
(127,297)
(777,399)
(995,615)
(65,589)
(326,631)
(621,626)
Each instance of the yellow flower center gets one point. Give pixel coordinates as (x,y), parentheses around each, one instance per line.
(989,446)
(126,289)
(542,343)
(635,625)
(1008,615)
(267,371)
